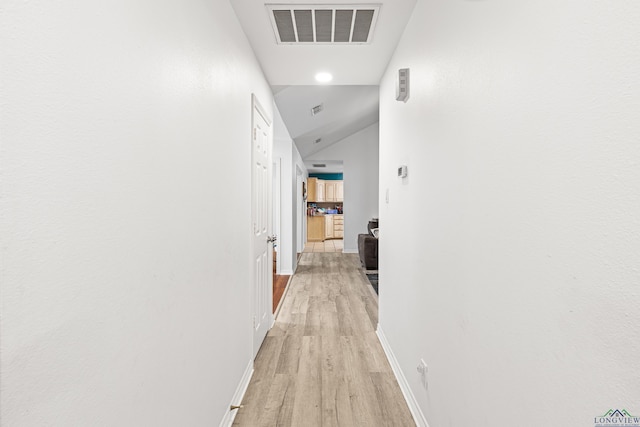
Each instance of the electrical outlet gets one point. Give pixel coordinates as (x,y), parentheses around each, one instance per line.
(422,370)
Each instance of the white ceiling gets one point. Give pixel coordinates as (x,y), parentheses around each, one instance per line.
(351,100)
(331,166)
(347,109)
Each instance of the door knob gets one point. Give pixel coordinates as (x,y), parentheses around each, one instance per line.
(272,239)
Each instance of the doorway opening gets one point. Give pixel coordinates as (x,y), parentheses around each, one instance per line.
(325,206)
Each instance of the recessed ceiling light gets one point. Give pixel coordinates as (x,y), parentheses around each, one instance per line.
(324,77)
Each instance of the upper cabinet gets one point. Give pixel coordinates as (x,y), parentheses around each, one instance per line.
(334,191)
(319,190)
(339,191)
(330,191)
(312,184)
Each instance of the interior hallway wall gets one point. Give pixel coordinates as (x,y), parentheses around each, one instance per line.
(283,149)
(359,152)
(125,224)
(299,204)
(291,199)
(509,255)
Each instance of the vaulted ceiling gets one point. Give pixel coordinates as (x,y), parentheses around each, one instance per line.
(351,100)
(345,111)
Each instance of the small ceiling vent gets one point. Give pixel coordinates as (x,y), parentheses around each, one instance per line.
(323,24)
(317,141)
(319,165)
(315,110)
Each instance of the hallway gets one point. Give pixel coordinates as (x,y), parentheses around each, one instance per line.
(322,363)
(498,144)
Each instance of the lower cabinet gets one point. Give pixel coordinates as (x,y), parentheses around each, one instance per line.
(322,227)
(338,226)
(315,229)
(328,226)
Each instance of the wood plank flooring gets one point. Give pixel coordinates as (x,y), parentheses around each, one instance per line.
(279,285)
(322,364)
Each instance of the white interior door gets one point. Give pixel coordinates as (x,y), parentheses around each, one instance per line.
(262,256)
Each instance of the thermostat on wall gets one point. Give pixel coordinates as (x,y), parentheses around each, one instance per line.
(402,171)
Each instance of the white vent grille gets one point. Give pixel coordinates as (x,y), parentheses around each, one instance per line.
(323,24)
(318,108)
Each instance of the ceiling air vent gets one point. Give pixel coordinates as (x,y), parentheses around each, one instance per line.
(319,165)
(323,24)
(315,110)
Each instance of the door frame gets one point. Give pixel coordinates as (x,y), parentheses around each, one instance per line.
(276,220)
(301,217)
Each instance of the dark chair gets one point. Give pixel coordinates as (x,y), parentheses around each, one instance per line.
(368,248)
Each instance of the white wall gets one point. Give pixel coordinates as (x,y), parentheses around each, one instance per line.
(360,155)
(300,175)
(283,149)
(125,211)
(509,256)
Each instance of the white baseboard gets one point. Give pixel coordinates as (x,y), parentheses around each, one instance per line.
(350,251)
(286,273)
(416,412)
(227,421)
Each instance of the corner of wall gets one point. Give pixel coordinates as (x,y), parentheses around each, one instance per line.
(230,415)
(412,402)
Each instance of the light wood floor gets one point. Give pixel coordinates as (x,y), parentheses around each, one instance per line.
(322,363)
(279,285)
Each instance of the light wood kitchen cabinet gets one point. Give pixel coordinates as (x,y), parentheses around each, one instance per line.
(315,228)
(312,185)
(322,227)
(338,226)
(320,191)
(334,191)
(339,191)
(328,226)
(330,191)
